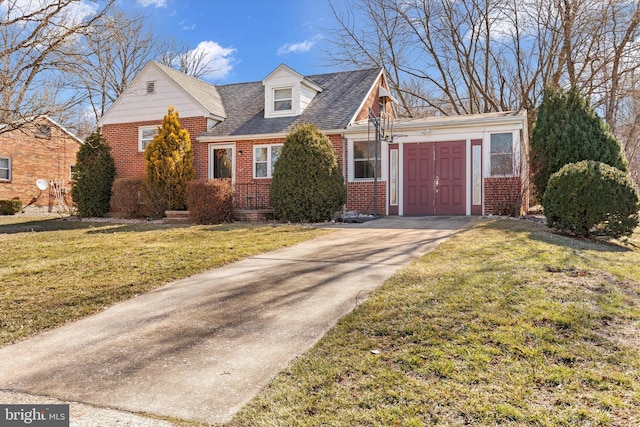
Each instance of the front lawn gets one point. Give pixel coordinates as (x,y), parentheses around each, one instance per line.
(53,271)
(504,324)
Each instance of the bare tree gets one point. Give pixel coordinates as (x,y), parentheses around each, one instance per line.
(194,62)
(38,47)
(456,57)
(114,50)
(459,57)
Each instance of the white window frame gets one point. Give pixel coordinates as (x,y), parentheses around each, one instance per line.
(394,177)
(72,172)
(276,99)
(353,159)
(211,167)
(141,130)
(8,168)
(151,87)
(513,155)
(269,161)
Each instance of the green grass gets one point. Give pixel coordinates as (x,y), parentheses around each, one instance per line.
(504,324)
(55,271)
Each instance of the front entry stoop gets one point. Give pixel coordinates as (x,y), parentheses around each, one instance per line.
(177,217)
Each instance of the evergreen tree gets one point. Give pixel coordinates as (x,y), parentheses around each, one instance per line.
(307,183)
(568,130)
(170,162)
(95,172)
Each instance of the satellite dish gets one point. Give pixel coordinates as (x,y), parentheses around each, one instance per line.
(42,184)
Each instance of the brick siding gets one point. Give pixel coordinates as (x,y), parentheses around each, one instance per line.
(504,196)
(130,163)
(34,158)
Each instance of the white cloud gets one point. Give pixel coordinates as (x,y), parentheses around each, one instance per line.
(155,3)
(184,26)
(219,59)
(301,47)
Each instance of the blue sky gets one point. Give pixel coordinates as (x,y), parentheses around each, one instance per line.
(247,39)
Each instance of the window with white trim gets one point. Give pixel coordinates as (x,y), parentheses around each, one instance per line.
(264,159)
(501,154)
(72,172)
(364,159)
(145,136)
(151,87)
(282,99)
(5,169)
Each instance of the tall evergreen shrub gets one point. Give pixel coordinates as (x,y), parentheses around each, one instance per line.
(568,130)
(307,183)
(170,162)
(95,172)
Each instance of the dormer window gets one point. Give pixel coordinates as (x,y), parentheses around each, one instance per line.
(282,99)
(287,93)
(151,88)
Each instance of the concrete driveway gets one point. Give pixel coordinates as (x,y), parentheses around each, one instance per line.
(200,348)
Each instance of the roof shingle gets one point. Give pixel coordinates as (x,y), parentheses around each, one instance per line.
(333,108)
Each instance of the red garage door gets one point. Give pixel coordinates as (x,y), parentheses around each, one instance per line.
(434,178)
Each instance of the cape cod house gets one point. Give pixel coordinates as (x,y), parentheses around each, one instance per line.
(36,163)
(237,131)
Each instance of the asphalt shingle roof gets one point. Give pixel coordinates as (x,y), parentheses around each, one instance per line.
(343,93)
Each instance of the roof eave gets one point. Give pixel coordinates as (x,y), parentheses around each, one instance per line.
(258,136)
(464,122)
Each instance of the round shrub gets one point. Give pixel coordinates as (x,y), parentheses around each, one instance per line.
(210,202)
(307,183)
(592,198)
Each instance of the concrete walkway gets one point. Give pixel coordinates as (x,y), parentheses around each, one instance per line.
(200,348)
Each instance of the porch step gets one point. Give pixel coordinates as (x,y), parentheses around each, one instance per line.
(177,217)
(253,215)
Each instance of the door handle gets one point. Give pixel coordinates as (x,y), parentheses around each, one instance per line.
(437,184)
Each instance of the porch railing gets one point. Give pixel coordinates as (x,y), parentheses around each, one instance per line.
(251,196)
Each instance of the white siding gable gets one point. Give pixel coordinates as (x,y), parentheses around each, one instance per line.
(302,92)
(137,105)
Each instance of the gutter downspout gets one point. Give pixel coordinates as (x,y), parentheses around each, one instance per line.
(344,168)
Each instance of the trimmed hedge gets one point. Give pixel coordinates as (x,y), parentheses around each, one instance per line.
(210,202)
(126,198)
(591,198)
(10,207)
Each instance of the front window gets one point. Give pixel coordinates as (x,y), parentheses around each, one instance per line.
(264,160)
(72,172)
(5,169)
(502,154)
(364,159)
(145,136)
(282,99)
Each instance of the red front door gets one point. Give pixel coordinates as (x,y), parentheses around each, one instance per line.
(434,178)
(418,179)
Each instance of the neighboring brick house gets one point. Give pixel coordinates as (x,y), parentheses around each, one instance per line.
(237,131)
(39,150)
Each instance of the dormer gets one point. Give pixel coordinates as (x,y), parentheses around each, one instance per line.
(287,93)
